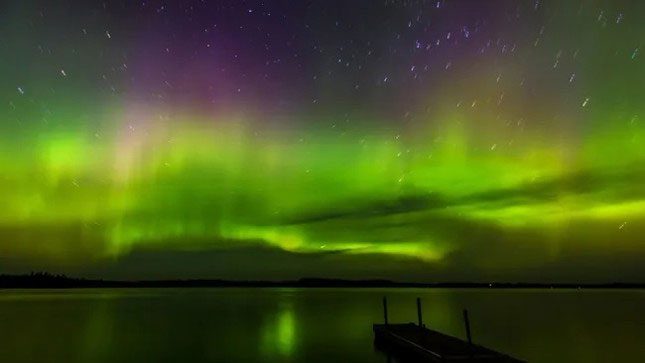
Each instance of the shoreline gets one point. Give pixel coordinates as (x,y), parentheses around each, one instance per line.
(48,281)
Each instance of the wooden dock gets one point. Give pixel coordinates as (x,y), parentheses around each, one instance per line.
(416,343)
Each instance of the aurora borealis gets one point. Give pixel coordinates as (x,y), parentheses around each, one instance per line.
(412,140)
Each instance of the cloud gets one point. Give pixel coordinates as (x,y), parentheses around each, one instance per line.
(605,185)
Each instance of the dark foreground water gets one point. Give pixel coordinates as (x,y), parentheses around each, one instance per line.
(309,325)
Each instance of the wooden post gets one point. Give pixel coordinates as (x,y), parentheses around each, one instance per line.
(419,316)
(467,323)
(385,309)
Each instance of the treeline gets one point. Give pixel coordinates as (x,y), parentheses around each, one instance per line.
(45,280)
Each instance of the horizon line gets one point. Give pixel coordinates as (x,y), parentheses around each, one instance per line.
(49,280)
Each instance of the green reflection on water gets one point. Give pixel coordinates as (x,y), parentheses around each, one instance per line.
(309,325)
(279,333)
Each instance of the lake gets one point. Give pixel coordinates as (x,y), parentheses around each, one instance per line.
(310,325)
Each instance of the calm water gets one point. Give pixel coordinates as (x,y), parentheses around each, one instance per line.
(309,325)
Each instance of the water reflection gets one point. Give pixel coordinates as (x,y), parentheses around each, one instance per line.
(279,332)
(98,331)
(313,326)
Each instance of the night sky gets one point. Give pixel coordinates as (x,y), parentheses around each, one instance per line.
(409,140)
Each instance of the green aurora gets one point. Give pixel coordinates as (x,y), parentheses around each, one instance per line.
(475,178)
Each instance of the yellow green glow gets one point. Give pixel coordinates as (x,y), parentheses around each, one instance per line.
(211,180)
(388,150)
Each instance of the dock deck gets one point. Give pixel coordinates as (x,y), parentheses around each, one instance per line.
(413,341)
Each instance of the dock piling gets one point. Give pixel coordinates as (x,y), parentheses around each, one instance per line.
(467,324)
(411,341)
(385,309)
(419,316)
